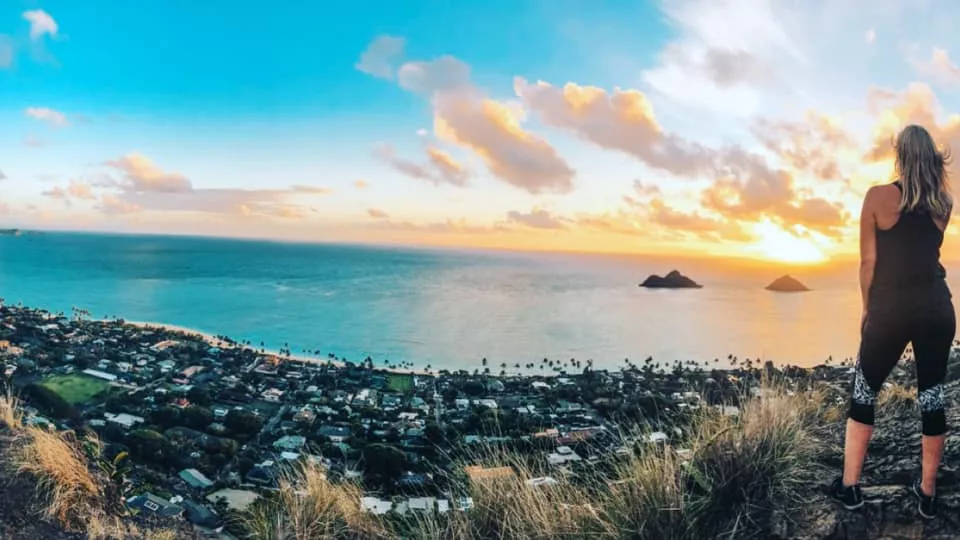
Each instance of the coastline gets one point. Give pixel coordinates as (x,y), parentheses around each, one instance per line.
(214,341)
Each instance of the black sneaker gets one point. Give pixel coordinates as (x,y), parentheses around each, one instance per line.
(926,505)
(849,496)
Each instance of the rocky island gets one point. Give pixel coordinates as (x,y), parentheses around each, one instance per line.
(673,280)
(787,284)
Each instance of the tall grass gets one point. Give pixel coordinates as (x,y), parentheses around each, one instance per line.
(68,490)
(309,506)
(69,493)
(897,398)
(740,471)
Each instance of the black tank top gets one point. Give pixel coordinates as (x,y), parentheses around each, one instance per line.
(908,257)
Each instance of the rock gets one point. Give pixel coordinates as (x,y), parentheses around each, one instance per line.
(673,280)
(787,284)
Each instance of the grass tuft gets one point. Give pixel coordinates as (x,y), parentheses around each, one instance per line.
(309,506)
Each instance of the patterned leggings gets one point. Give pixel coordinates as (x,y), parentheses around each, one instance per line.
(930,326)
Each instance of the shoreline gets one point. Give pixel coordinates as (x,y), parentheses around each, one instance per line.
(214,341)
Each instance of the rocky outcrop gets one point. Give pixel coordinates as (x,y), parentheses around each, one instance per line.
(787,284)
(673,280)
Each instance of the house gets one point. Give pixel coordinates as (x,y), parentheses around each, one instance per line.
(290,443)
(375,505)
(150,504)
(195,479)
(199,514)
(273,395)
(305,416)
(100,374)
(124,419)
(563,455)
(336,434)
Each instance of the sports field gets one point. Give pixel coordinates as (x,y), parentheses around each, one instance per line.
(75,389)
(399,382)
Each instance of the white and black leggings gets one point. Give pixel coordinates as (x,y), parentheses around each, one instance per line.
(926,321)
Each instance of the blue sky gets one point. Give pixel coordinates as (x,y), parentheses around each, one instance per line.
(105,103)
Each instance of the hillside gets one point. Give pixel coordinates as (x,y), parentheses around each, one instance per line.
(783,448)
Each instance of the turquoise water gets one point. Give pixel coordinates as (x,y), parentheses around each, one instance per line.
(444,308)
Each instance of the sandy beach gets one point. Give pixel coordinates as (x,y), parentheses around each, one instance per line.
(214,341)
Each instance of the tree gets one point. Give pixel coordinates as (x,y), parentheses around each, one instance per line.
(384,462)
(197,417)
(433,433)
(243,422)
(165,417)
(199,395)
(50,401)
(148,445)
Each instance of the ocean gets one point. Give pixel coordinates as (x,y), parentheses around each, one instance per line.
(443,308)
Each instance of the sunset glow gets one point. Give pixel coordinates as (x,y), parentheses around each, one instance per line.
(739,128)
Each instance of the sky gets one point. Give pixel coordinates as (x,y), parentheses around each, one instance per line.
(745,128)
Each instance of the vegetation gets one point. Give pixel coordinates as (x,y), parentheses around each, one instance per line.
(727,479)
(74,487)
(399,382)
(75,389)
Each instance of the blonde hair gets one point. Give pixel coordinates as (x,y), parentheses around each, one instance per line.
(922,170)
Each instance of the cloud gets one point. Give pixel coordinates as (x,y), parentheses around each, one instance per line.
(870,36)
(811,145)
(41,23)
(312,190)
(225,201)
(381,56)
(537,218)
(386,153)
(940,67)
(50,116)
(6,51)
(113,205)
(74,190)
(623,120)
(441,168)
(3,176)
(360,184)
(55,192)
(142,175)
(463,115)
(724,52)
(449,169)
(895,110)
(377,213)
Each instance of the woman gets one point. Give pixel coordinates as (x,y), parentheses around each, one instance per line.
(905,300)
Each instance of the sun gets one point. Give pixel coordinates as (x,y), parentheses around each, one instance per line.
(779,245)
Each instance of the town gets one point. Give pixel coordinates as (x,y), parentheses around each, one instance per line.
(210,424)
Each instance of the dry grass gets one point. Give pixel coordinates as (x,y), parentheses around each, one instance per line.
(11,416)
(309,506)
(897,398)
(741,470)
(69,493)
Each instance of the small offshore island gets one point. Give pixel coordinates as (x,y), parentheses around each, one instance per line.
(673,280)
(209,426)
(787,284)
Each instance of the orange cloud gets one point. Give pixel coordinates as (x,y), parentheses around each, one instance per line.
(449,169)
(623,120)
(143,175)
(537,218)
(465,116)
(360,184)
(377,213)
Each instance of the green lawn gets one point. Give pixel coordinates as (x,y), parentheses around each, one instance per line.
(399,382)
(75,389)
